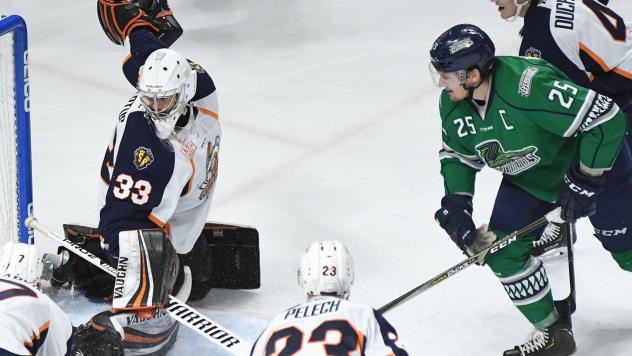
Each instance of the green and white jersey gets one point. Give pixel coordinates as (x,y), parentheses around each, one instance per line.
(536,123)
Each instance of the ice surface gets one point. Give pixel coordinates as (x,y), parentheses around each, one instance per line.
(331,130)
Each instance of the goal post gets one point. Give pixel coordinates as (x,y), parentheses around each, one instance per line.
(16,188)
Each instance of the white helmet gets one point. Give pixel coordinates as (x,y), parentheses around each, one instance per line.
(166,84)
(20,261)
(326,269)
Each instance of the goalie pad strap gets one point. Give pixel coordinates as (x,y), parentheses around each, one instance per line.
(146,270)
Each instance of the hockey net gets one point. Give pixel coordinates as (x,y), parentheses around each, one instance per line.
(15,150)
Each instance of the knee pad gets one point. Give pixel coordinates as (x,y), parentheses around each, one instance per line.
(623,259)
(529,285)
(511,259)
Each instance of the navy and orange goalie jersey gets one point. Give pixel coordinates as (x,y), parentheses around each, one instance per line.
(153,183)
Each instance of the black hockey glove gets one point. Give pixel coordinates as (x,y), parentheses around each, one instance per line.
(455,217)
(578,194)
(119,17)
(94,282)
(97,337)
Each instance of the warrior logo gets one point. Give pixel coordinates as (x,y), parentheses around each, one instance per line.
(143,157)
(533,53)
(212,156)
(508,162)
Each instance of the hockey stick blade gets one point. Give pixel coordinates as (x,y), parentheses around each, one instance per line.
(494,248)
(178,310)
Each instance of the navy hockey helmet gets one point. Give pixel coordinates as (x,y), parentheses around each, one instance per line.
(461,48)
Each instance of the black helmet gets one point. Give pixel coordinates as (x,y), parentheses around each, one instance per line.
(463,47)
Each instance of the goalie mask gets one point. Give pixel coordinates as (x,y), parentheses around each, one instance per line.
(20,261)
(166,84)
(326,269)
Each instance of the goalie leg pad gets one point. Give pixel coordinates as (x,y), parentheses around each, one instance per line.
(224,256)
(234,254)
(146,271)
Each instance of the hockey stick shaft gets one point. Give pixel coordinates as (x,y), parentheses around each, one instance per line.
(494,248)
(178,310)
(570,238)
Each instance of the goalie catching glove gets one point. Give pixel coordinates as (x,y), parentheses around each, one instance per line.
(119,18)
(91,280)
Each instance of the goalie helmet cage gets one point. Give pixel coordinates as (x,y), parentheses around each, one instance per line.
(16,191)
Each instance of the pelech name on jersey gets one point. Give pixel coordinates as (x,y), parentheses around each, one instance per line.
(565,14)
(508,162)
(324,307)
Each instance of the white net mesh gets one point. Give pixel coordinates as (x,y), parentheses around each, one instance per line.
(8,143)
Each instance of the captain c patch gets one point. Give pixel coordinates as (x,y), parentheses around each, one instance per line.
(143,157)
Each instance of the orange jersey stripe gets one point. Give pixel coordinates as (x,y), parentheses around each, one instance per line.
(209,113)
(156,221)
(623,73)
(594,56)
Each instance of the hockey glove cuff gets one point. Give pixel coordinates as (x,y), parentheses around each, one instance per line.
(99,336)
(484,239)
(578,194)
(455,217)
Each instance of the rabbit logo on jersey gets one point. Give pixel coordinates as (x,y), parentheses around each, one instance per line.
(508,162)
(143,157)
(211,168)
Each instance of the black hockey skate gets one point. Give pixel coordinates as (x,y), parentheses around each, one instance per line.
(552,242)
(556,340)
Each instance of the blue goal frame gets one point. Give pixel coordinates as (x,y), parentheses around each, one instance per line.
(17,25)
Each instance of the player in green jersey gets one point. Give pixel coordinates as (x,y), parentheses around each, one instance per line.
(552,140)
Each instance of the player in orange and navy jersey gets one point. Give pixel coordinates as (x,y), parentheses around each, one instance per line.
(328,323)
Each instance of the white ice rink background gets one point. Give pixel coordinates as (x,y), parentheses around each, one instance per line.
(331,131)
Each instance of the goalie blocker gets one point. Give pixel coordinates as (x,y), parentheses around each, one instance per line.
(225,256)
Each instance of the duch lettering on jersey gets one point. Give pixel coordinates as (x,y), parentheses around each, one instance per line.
(565,14)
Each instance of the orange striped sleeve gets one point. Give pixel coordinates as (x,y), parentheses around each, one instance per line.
(594,56)
(209,113)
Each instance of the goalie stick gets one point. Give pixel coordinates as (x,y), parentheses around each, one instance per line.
(554,215)
(178,310)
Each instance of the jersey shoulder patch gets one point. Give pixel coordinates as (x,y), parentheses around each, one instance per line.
(196,67)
